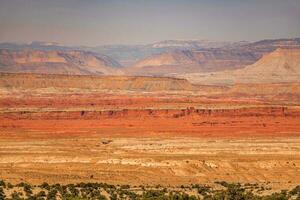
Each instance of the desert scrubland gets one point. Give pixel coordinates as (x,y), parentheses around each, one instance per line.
(240,125)
(166,136)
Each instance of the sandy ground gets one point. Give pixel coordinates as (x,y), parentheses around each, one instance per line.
(27,156)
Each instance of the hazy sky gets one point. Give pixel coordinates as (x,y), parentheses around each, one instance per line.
(97,22)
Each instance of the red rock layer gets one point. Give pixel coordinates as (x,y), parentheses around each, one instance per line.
(151,113)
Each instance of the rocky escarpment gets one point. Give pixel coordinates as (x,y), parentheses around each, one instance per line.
(153,113)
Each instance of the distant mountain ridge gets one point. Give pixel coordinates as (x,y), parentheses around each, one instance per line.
(127,55)
(164,58)
(193,61)
(56,62)
(194,44)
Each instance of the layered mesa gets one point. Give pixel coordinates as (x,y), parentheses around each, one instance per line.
(225,122)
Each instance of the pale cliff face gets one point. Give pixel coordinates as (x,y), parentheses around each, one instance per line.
(279,66)
(281,62)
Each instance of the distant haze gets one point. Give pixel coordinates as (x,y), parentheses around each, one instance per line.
(98,22)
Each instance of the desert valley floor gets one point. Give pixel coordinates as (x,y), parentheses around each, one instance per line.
(150,100)
(147,138)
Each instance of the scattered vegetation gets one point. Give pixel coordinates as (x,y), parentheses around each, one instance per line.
(102,191)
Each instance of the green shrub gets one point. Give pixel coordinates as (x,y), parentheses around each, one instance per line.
(2,194)
(28,190)
(52,194)
(45,186)
(295,190)
(2,183)
(15,196)
(154,195)
(125,187)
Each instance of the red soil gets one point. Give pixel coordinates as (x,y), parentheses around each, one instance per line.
(194,122)
(142,115)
